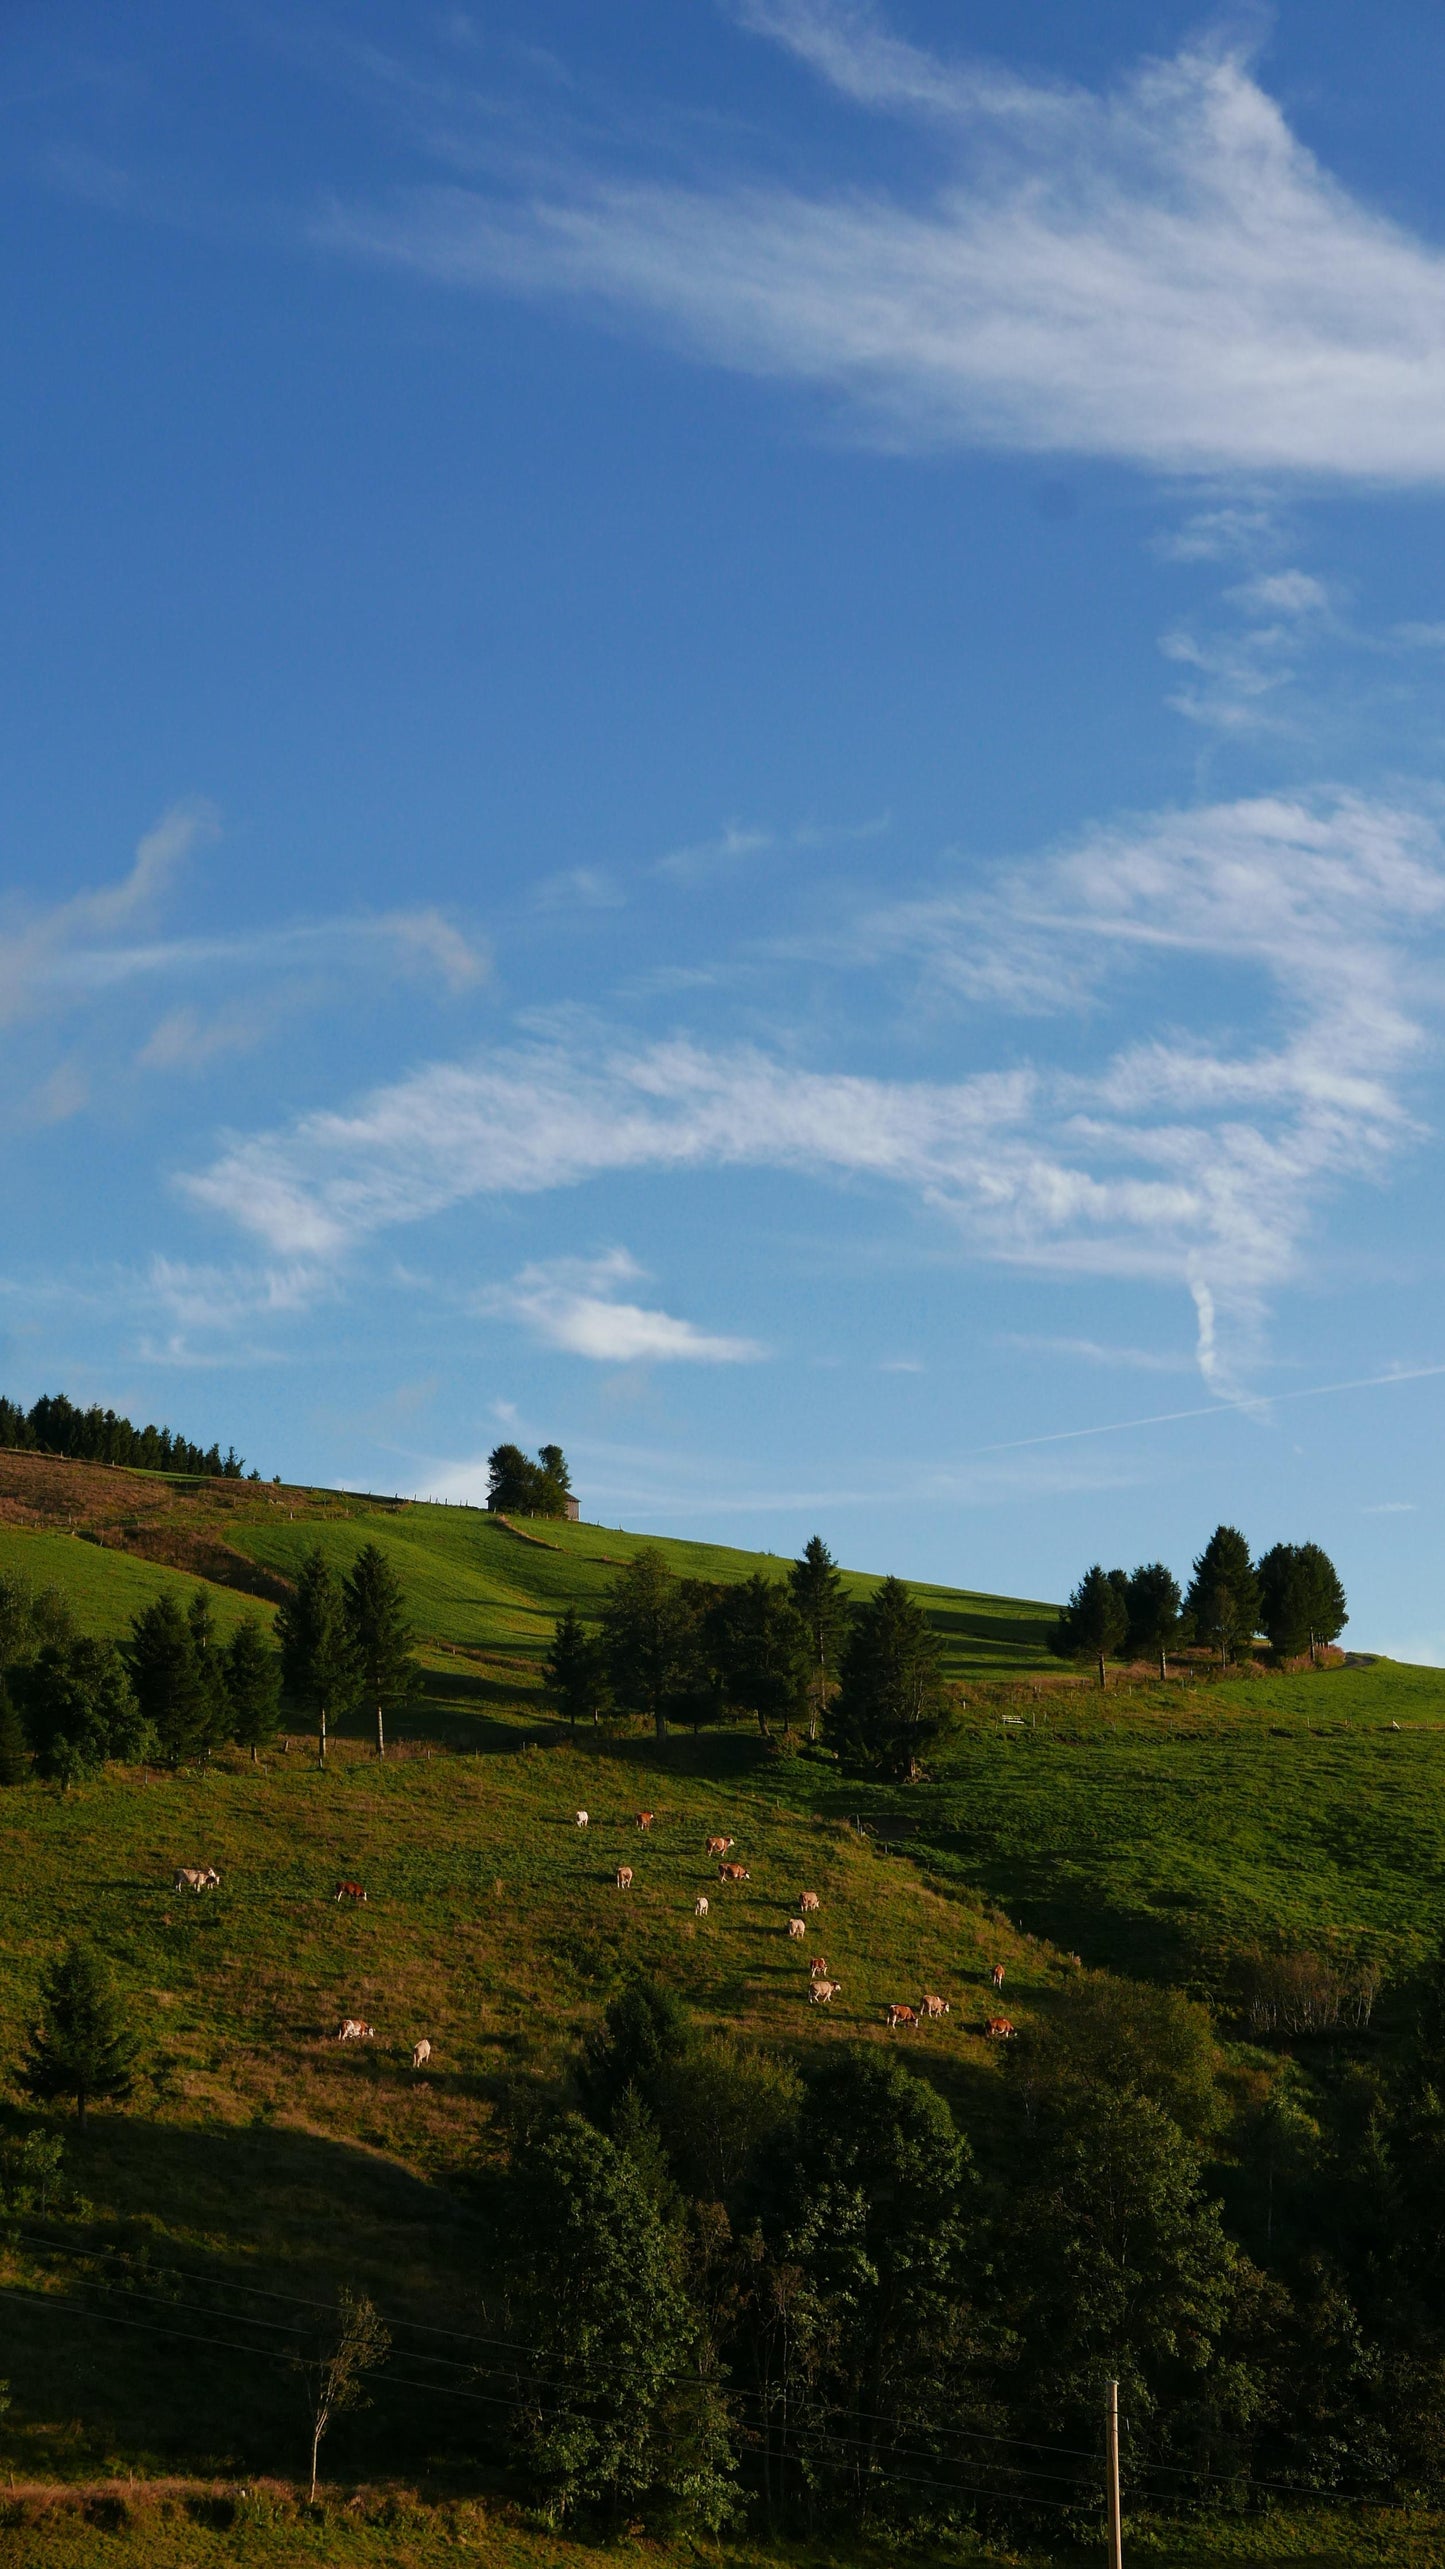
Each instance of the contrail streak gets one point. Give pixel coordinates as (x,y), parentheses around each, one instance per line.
(1212,1409)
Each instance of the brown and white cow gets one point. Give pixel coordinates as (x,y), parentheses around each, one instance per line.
(997,1975)
(733,1873)
(807,1902)
(624,1877)
(818,1967)
(1000,2030)
(645,1819)
(797,1929)
(699,1906)
(933,2006)
(197,1877)
(820,1991)
(581,1819)
(421,2054)
(350,1891)
(720,1846)
(898,2014)
(354,2029)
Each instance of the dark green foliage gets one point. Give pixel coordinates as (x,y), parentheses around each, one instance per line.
(1302,1603)
(79,1709)
(891,1704)
(762,1650)
(1223,1600)
(1127,2037)
(649,1634)
(1154,1607)
(861,2320)
(318,1673)
(251,1675)
(81,2046)
(171,1687)
(379,1634)
(619,2412)
(645,2033)
(821,1602)
(1095,1620)
(14,1748)
(95,1435)
(575,1669)
(516,1486)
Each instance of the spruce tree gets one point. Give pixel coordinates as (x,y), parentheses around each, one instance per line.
(1223,1599)
(819,1596)
(1095,1619)
(573,1669)
(317,1670)
(81,2046)
(649,1634)
(1325,1605)
(1154,1605)
(205,1650)
(251,1675)
(168,1682)
(890,1705)
(1283,1602)
(380,1636)
(80,1709)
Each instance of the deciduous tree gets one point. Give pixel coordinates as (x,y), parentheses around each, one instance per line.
(336,2376)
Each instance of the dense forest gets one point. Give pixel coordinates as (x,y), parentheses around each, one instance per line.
(55,1426)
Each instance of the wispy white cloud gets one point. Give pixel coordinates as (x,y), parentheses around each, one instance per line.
(1181,1156)
(1162,272)
(1091,1351)
(576,1304)
(38,946)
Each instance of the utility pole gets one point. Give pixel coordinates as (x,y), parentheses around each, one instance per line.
(1116,2530)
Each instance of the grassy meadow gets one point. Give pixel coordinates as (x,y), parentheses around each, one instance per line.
(1154,1829)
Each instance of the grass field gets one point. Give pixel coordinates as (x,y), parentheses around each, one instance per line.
(259,2165)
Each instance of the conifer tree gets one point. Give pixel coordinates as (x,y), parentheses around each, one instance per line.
(1154,1605)
(81,2046)
(380,1636)
(890,1705)
(819,1596)
(1095,1619)
(168,1683)
(1223,1599)
(252,1678)
(574,1668)
(317,1670)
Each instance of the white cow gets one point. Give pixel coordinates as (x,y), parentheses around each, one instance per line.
(933,2006)
(699,1906)
(422,2054)
(820,1991)
(624,1877)
(807,1901)
(197,1877)
(797,1929)
(581,1819)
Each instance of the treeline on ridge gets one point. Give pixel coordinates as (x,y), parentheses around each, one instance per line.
(1292,1595)
(54,1425)
(516,1486)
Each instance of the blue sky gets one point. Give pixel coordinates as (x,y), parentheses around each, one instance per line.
(722,738)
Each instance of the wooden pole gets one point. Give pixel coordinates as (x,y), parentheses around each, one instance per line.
(1116,2529)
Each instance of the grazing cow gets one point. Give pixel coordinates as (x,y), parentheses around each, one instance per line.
(421,2054)
(720,1846)
(350,1891)
(797,1929)
(820,1991)
(354,2029)
(818,1967)
(581,1819)
(898,2015)
(197,1878)
(1000,2030)
(997,1975)
(624,1877)
(807,1901)
(933,2006)
(699,1906)
(733,1873)
(645,1819)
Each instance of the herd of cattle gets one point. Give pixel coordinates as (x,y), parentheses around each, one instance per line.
(897,2016)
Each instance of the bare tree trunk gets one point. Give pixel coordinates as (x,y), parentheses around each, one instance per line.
(1103,1680)
(380,1732)
(321,1741)
(1163,1669)
(316,2457)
